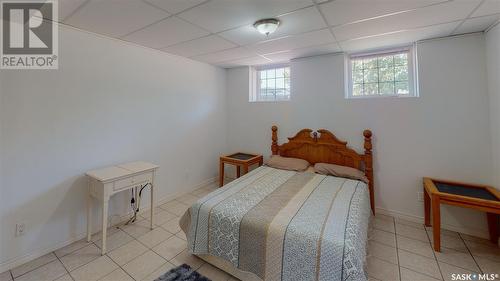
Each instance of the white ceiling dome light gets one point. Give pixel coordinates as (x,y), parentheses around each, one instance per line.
(266,26)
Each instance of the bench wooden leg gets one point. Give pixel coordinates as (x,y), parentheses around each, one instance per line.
(493,226)
(427,206)
(221,174)
(436,223)
(238,171)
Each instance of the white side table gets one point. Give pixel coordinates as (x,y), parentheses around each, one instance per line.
(103,183)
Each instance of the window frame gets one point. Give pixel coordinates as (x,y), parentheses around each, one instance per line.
(255,82)
(412,71)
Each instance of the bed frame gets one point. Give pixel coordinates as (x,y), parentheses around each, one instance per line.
(323,146)
(316,147)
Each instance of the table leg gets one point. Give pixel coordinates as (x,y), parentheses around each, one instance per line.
(89,214)
(261,161)
(238,171)
(427,207)
(152,206)
(493,226)
(245,169)
(221,174)
(104,226)
(436,223)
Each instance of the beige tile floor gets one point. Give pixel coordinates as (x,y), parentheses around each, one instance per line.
(397,250)
(402,250)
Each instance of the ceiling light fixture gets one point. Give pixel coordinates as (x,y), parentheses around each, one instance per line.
(266,26)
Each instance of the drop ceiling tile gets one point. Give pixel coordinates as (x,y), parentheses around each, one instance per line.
(175,6)
(65,8)
(165,33)
(200,46)
(220,15)
(300,21)
(115,18)
(346,11)
(398,38)
(304,52)
(437,14)
(226,55)
(488,7)
(477,24)
(318,37)
(258,60)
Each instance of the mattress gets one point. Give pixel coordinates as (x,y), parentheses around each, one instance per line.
(284,225)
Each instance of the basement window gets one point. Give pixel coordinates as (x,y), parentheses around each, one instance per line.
(270,83)
(389,73)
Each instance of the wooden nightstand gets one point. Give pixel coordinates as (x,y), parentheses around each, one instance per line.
(238,159)
(478,197)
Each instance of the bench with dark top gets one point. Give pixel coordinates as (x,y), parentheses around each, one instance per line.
(238,159)
(478,197)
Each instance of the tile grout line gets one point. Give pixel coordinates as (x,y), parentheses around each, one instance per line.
(117,226)
(448,263)
(119,266)
(430,244)
(146,246)
(470,253)
(82,265)
(397,248)
(434,254)
(67,271)
(88,244)
(382,260)
(169,260)
(421,273)
(12,274)
(407,237)
(151,248)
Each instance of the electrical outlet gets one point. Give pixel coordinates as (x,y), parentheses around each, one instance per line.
(20,229)
(420,196)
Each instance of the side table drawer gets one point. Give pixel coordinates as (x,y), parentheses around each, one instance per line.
(144,178)
(132,181)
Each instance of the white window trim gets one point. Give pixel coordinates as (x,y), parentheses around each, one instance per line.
(412,72)
(254,77)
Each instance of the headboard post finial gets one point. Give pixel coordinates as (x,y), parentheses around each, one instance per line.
(368,141)
(274,145)
(369,166)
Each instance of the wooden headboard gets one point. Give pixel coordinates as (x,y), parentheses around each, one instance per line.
(323,146)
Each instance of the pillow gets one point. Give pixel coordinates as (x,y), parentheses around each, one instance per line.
(340,171)
(287,163)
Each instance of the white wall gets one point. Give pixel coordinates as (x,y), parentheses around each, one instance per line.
(493,64)
(444,133)
(108,103)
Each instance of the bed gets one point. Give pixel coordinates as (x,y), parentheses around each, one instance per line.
(274,224)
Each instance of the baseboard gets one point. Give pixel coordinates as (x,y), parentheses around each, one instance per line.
(470,231)
(17,261)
